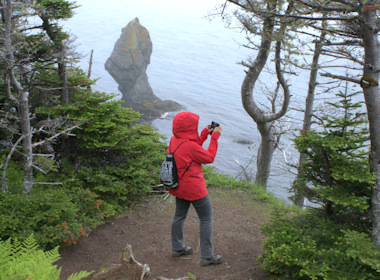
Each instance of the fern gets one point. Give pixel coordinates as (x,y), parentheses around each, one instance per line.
(5,253)
(25,260)
(79,275)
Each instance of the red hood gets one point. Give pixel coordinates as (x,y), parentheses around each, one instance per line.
(185,126)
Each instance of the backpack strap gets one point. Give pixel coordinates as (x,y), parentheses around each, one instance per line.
(176,150)
(177,146)
(186,169)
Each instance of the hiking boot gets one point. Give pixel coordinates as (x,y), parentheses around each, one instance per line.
(215,259)
(185,251)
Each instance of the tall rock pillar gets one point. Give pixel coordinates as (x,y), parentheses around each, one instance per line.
(128,64)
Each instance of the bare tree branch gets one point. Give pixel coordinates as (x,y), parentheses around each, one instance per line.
(325,8)
(339,77)
(47,183)
(56,135)
(39,169)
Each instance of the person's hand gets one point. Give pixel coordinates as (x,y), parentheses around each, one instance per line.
(208,127)
(218,129)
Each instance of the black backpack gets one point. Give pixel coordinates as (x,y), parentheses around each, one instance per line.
(168,173)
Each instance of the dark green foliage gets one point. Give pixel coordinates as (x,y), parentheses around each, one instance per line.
(308,246)
(14,177)
(8,118)
(106,123)
(54,214)
(111,163)
(114,157)
(57,9)
(118,186)
(336,173)
(46,77)
(361,247)
(102,166)
(41,44)
(330,241)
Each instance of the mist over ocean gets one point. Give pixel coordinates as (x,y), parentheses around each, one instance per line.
(194,62)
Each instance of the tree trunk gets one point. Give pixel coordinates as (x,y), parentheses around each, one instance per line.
(27,140)
(22,101)
(299,198)
(263,159)
(62,69)
(268,141)
(255,69)
(90,67)
(372,99)
(61,49)
(90,64)
(264,120)
(265,153)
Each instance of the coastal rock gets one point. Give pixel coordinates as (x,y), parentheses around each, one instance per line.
(127,65)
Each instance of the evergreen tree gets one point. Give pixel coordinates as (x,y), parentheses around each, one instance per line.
(86,156)
(51,13)
(336,172)
(331,240)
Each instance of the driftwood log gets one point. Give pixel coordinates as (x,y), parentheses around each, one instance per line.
(159,189)
(130,268)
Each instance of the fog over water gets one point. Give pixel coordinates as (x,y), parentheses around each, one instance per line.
(194,62)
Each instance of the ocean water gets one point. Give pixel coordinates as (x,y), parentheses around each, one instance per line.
(195,62)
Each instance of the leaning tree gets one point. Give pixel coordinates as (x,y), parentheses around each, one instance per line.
(271,30)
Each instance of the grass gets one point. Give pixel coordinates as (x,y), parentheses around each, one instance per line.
(256,192)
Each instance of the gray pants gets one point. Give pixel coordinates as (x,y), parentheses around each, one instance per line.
(204,211)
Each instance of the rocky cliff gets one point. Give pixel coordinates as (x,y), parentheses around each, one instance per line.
(128,64)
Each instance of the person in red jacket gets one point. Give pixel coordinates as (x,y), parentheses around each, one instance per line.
(191,188)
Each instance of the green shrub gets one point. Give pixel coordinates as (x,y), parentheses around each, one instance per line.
(14,176)
(92,209)
(303,245)
(117,186)
(111,155)
(26,261)
(54,215)
(361,247)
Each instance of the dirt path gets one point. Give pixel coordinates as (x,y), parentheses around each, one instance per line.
(147,229)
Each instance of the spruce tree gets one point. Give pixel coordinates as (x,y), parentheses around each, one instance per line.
(337,174)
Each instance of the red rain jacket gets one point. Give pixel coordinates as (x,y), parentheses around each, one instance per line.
(190,156)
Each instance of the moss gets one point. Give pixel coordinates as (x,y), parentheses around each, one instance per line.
(366,82)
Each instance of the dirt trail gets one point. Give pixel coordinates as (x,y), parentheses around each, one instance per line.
(147,229)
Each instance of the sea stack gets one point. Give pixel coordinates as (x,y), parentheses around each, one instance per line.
(128,64)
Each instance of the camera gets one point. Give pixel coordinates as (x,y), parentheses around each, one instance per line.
(213,125)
